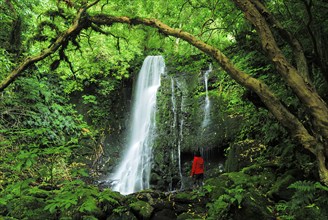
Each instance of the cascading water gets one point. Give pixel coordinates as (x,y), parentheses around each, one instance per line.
(179,144)
(206,119)
(133,173)
(173,128)
(177,157)
(173,101)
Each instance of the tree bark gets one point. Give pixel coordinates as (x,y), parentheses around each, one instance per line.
(298,52)
(73,30)
(308,96)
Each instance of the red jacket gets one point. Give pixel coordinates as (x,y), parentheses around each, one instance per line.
(197,166)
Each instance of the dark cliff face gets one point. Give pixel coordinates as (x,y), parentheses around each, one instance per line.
(179,129)
(110,117)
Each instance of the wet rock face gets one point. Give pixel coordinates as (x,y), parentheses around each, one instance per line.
(179,130)
(242,154)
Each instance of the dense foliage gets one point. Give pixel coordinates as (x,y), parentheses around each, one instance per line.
(55,116)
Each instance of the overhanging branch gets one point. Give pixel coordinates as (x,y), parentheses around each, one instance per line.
(286,118)
(74,29)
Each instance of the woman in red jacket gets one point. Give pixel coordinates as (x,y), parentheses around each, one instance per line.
(197,170)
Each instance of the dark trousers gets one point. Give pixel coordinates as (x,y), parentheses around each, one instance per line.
(198,179)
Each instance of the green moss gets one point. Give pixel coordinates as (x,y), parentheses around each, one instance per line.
(238,178)
(122,216)
(218,185)
(183,196)
(188,216)
(142,209)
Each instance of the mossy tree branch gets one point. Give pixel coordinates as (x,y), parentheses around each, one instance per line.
(262,90)
(80,22)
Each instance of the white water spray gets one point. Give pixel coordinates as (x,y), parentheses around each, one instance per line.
(175,122)
(179,145)
(207,106)
(133,173)
(173,101)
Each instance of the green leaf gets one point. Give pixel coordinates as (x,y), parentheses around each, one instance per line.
(3,201)
(89,205)
(239,198)
(28,163)
(51,207)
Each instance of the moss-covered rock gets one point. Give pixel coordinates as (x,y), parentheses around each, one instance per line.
(254,206)
(164,214)
(242,154)
(183,197)
(142,209)
(122,216)
(189,215)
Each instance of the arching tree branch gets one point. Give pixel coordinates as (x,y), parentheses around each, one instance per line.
(79,23)
(273,104)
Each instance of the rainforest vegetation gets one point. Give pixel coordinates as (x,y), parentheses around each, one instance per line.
(67,70)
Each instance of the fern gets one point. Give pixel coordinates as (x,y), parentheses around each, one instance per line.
(89,205)
(75,197)
(305,201)
(231,197)
(303,186)
(307,191)
(318,185)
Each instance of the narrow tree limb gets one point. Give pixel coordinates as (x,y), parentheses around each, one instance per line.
(73,30)
(321,62)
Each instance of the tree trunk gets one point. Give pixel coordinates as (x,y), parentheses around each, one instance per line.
(301,62)
(308,96)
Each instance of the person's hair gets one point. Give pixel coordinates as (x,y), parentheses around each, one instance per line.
(197,153)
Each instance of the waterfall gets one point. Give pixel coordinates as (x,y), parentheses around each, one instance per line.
(206,119)
(179,146)
(179,129)
(180,140)
(173,101)
(133,172)
(174,123)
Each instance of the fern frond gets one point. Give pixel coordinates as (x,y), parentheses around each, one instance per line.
(304,186)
